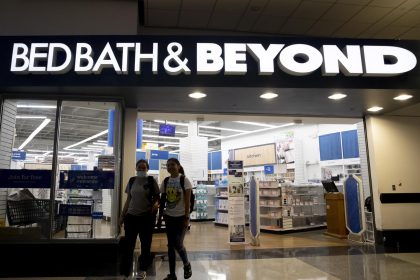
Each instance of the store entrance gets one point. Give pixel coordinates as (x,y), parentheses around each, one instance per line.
(289,157)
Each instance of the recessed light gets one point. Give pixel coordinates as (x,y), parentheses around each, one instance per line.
(403,97)
(337,96)
(197,95)
(375,109)
(269,95)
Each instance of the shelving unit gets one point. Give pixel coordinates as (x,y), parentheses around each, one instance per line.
(370,230)
(221,205)
(205,202)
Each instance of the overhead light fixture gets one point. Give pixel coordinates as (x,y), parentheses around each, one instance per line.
(100,144)
(31,117)
(375,109)
(87,139)
(170,145)
(34,133)
(95,146)
(173,123)
(251,132)
(36,106)
(102,141)
(209,135)
(197,95)
(403,97)
(268,95)
(158,136)
(222,128)
(337,96)
(256,124)
(160,142)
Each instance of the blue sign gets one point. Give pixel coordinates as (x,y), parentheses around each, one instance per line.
(225,173)
(97,215)
(157,154)
(81,210)
(18,155)
(268,169)
(30,179)
(94,180)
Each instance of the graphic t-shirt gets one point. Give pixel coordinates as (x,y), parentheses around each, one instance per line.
(175,203)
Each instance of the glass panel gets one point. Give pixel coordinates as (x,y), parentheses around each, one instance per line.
(26,147)
(88,165)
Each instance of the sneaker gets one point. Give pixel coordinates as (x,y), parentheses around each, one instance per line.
(141,275)
(187,271)
(170,277)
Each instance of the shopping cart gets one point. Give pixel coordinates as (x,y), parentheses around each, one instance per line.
(80,221)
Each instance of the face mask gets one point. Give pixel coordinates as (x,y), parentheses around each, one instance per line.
(141,173)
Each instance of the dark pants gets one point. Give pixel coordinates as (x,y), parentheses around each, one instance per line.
(175,232)
(143,227)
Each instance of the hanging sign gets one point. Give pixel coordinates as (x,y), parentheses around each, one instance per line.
(29,179)
(95,180)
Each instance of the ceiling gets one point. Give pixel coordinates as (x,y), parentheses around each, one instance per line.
(379,19)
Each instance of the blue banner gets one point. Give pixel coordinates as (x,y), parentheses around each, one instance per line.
(157,154)
(18,155)
(94,180)
(30,179)
(139,133)
(268,169)
(111,123)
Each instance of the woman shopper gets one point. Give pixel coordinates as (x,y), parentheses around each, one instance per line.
(176,193)
(139,218)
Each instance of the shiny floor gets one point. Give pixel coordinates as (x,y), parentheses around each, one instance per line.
(301,256)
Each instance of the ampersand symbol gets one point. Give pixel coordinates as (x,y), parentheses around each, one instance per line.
(174,55)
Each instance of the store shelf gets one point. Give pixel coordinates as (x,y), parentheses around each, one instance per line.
(270,206)
(269,217)
(222,197)
(220,224)
(272,196)
(268,228)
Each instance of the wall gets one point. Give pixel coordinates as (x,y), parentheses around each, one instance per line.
(394,152)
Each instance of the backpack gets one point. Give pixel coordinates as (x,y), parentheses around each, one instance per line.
(182,182)
(149,184)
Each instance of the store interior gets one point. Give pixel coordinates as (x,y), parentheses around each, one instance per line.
(289,156)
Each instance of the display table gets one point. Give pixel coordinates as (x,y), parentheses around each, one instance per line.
(336,219)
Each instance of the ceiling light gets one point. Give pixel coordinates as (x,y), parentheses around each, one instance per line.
(160,142)
(269,95)
(96,146)
(102,141)
(197,95)
(87,139)
(100,144)
(375,109)
(31,117)
(222,128)
(403,97)
(257,124)
(34,133)
(36,106)
(337,96)
(252,132)
(158,136)
(209,135)
(173,123)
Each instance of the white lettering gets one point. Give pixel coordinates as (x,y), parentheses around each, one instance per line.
(350,63)
(54,48)
(209,60)
(234,55)
(140,57)
(35,57)
(83,53)
(312,57)
(20,60)
(125,47)
(265,57)
(103,62)
(402,60)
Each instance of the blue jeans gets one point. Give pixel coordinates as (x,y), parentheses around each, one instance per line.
(175,232)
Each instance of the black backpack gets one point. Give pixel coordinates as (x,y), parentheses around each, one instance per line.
(149,184)
(182,182)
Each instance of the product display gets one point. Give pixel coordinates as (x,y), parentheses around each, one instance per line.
(204,202)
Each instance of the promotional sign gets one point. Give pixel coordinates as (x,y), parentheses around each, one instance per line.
(157,154)
(36,179)
(268,169)
(236,201)
(87,179)
(257,155)
(18,155)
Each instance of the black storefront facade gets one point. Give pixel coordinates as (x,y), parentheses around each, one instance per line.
(155,74)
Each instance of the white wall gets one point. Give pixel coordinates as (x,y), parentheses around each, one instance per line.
(305,135)
(394,153)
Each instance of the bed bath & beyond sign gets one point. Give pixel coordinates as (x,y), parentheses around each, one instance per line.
(212,59)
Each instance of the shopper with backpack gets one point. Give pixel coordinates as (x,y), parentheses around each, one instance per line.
(176,197)
(139,218)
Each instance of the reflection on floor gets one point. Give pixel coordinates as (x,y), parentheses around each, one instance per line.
(303,256)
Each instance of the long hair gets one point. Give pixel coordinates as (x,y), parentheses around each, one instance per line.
(176,161)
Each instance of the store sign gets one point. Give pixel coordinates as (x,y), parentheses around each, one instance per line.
(157,154)
(36,179)
(18,155)
(268,169)
(211,59)
(87,179)
(258,155)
